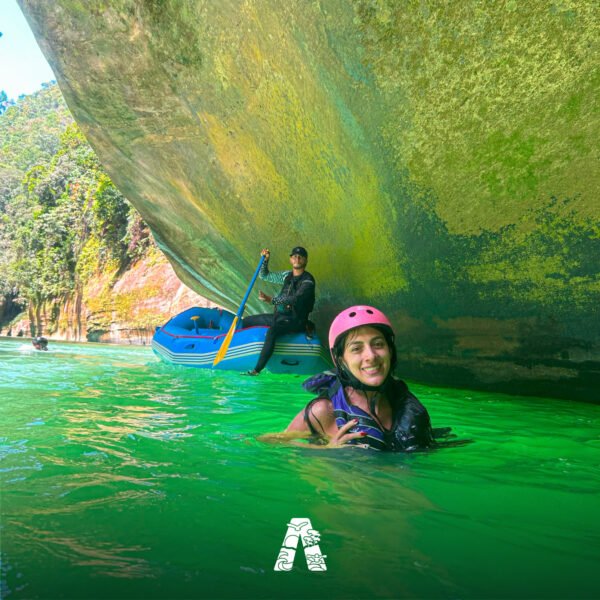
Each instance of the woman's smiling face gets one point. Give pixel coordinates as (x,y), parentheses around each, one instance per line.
(367,355)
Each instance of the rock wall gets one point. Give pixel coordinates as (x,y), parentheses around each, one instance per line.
(437,159)
(117,308)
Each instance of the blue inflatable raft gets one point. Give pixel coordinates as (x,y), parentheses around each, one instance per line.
(193,338)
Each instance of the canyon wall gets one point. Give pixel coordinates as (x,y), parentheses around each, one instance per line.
(122,308)
(438,160)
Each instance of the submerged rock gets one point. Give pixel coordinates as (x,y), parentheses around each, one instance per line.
(437,161)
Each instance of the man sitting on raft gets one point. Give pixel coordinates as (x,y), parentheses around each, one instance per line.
(291,306)
(362,402)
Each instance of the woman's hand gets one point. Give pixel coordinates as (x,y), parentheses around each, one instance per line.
(266,253)
(342,436)
(288,438)
(329,437)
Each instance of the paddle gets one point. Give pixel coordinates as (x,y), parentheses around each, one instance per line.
(225,345)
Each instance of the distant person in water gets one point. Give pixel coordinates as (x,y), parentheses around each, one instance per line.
(361,402)
(40,343)
(291,307)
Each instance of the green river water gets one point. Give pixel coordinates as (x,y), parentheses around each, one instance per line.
(122,477)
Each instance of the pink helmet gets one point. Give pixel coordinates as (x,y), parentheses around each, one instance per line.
(352,317)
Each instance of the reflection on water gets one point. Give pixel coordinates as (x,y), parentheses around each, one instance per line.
(104,558)
(124,477)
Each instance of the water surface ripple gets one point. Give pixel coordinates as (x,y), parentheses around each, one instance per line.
(122,477)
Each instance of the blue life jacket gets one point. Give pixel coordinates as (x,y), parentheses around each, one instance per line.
(411,425)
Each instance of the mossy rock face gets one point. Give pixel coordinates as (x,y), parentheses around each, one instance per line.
(436,159)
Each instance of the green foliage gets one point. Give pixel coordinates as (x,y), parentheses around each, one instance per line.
(30,129)
(62,220)
(88,263)
(110,215)
(4,101)
(137,237)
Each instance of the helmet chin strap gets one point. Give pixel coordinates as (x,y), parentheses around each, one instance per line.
(348,379)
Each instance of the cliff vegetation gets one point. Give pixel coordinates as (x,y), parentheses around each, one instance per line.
(68,237)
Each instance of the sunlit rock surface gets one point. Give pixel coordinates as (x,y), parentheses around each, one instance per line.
(122,307)
(438,160)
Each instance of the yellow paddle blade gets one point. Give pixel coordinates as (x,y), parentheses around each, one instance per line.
(225,345)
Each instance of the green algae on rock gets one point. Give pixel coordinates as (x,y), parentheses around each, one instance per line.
(438,160)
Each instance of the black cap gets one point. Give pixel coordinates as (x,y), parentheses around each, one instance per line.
(299,250)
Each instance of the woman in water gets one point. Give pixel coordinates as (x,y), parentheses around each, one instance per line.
(362,402)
